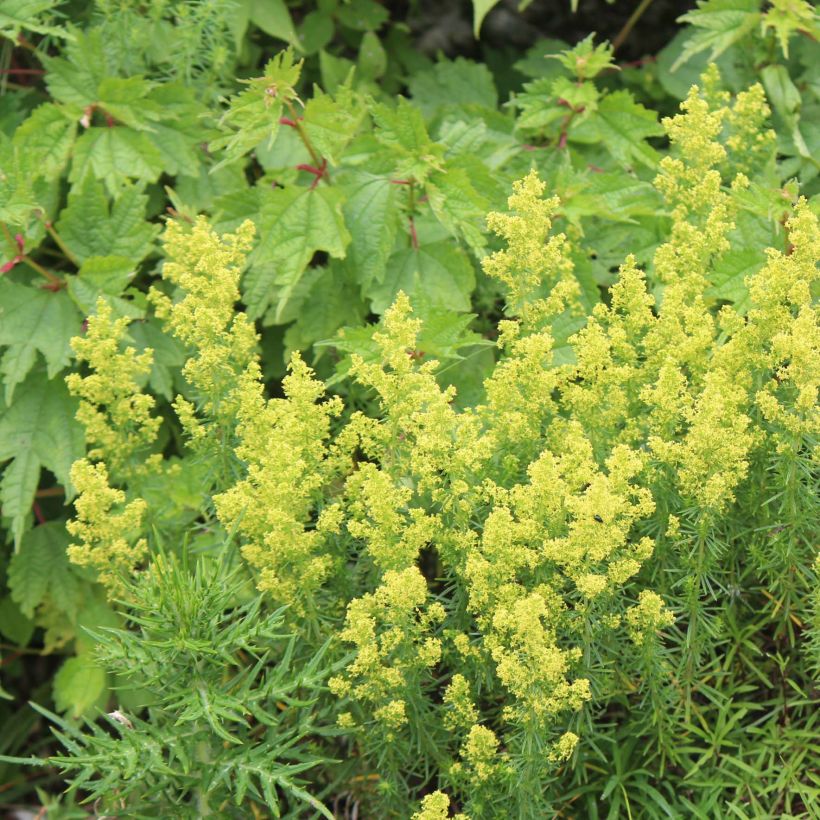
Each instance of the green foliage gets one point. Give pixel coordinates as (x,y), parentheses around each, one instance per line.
(527,526)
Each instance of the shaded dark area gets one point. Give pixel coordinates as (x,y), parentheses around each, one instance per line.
(448,26)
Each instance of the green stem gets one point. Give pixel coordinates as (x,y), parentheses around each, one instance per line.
(630,24)
(58,241)
(53,280)
(314,154)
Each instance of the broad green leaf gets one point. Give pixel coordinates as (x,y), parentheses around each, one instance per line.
(15,626)
(480,10)
(17,177)
(453,83)
(34,319)
(331,301)
(371,213)
(331,124)
(729,273)
(92,225)
(316,31)
(294,224)
(622,125)
(31,567)
(78,685)
(720,24)
(169,355)
(458,206)
(362,15)
(39,429)
(438,275)
(106,277)
(273,17)
(403,131)
(126,100)
(179,135)
(115,155)
(75,78)
(47,136)
(334,70)
(372,61)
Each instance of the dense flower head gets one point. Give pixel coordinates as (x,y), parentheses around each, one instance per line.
(106,526)
(113,409)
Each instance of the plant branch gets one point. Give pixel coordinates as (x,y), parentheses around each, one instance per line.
(630,24)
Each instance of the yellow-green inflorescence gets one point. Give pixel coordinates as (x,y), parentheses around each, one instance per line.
(120,430)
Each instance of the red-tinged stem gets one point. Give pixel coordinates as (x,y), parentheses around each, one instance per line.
(314,154)
(650,58)
(22,71)
(411,203)
(401,181)
(38,513)
(22,41)
(54,281)
(50,492)
(318,173)
(595,169)
(287,121)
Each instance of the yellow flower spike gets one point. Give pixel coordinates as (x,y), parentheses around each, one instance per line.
(106,527)
(115,413)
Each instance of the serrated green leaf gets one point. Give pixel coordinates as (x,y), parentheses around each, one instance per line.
(729,274)
(13,624)
(453,83)
(179,135)
(17,177)
(371,213)
(39,429)
(458,206)
(78,685)
(331,124)
(294,224)
(75,78)
(331,301)
(34,319)
(623,125)
(91,225)
(106,277)
(126,100)
(720,24)
(438,275)
(30,568)
(403,131)
(47,136)
(115,155)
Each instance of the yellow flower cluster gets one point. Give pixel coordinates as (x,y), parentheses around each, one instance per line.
(436,806)
(390,631)
(106,526)
(206,269)
(533,261)
(282,444)
(115,413)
